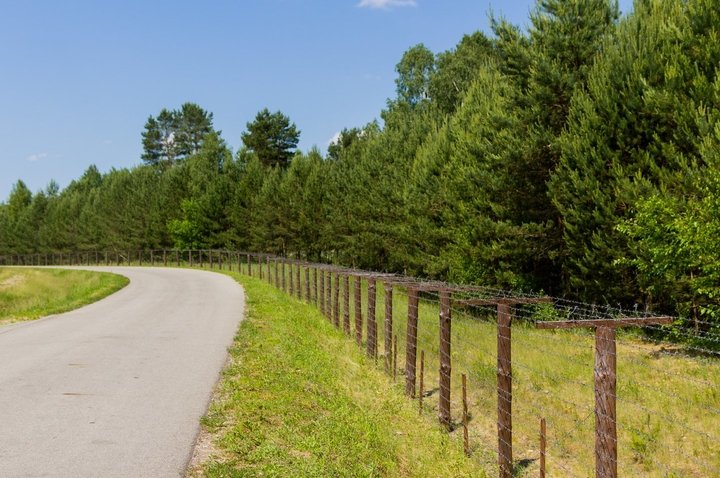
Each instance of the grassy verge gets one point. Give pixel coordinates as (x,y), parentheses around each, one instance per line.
(668,401)
(299,399)
(27,294)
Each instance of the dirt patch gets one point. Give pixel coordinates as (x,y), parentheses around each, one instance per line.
(12,281)
(204,449)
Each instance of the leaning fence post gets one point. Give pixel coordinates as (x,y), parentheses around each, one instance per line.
(445,359)
(411,342)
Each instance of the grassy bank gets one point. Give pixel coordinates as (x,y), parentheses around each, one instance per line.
(668,401)
(299,399)
(27,294)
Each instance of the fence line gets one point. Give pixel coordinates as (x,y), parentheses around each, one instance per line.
(524,355)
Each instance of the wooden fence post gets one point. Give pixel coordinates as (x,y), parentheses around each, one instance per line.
(336,301)
(504,391)
(371,322)
(307,283)
(465,416)
(346,301)
(298,288)
(411,342)
(291,278)
(421,394)
(543,445)
(357,283)
(605,383)
(605,406)
(315,286)
(328,298)
(388,324)
(445,360)
(321,294)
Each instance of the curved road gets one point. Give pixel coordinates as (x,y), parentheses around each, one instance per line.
(116,388)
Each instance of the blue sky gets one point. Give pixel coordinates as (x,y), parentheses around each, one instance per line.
(79,78)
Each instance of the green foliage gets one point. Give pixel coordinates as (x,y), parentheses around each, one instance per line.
(576,156)
(272,137)
(634,132)
(414,72)
(175,135)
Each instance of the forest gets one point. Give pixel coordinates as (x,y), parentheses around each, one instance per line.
(578,156)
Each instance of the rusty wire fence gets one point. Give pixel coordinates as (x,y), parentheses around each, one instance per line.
(530,385)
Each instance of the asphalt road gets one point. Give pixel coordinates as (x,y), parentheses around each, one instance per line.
(116,389)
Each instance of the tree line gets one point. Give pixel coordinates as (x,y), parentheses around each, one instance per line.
(577,156)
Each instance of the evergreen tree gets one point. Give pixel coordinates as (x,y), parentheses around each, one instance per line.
(272,137)
(634,131)
(175,135)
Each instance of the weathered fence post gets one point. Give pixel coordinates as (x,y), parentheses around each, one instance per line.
(292,279)
(298,288)
(357,284)
(543,445)
(249,265)
(328,298)
(504,391)
(465,416)
(388,324)
(284,278)
(445,359)
(307,283)
(346,301)
(371,323)
(605,383)
(315,286)
(411,342)
(321,295)
(421,395)
(336,301)
(394,358)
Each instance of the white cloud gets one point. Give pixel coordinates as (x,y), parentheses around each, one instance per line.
(385,4)
(36,157)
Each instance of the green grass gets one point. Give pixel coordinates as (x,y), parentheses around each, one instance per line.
(27,294)
(668,402)
(298,399)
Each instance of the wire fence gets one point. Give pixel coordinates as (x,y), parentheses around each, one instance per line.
(532,385)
